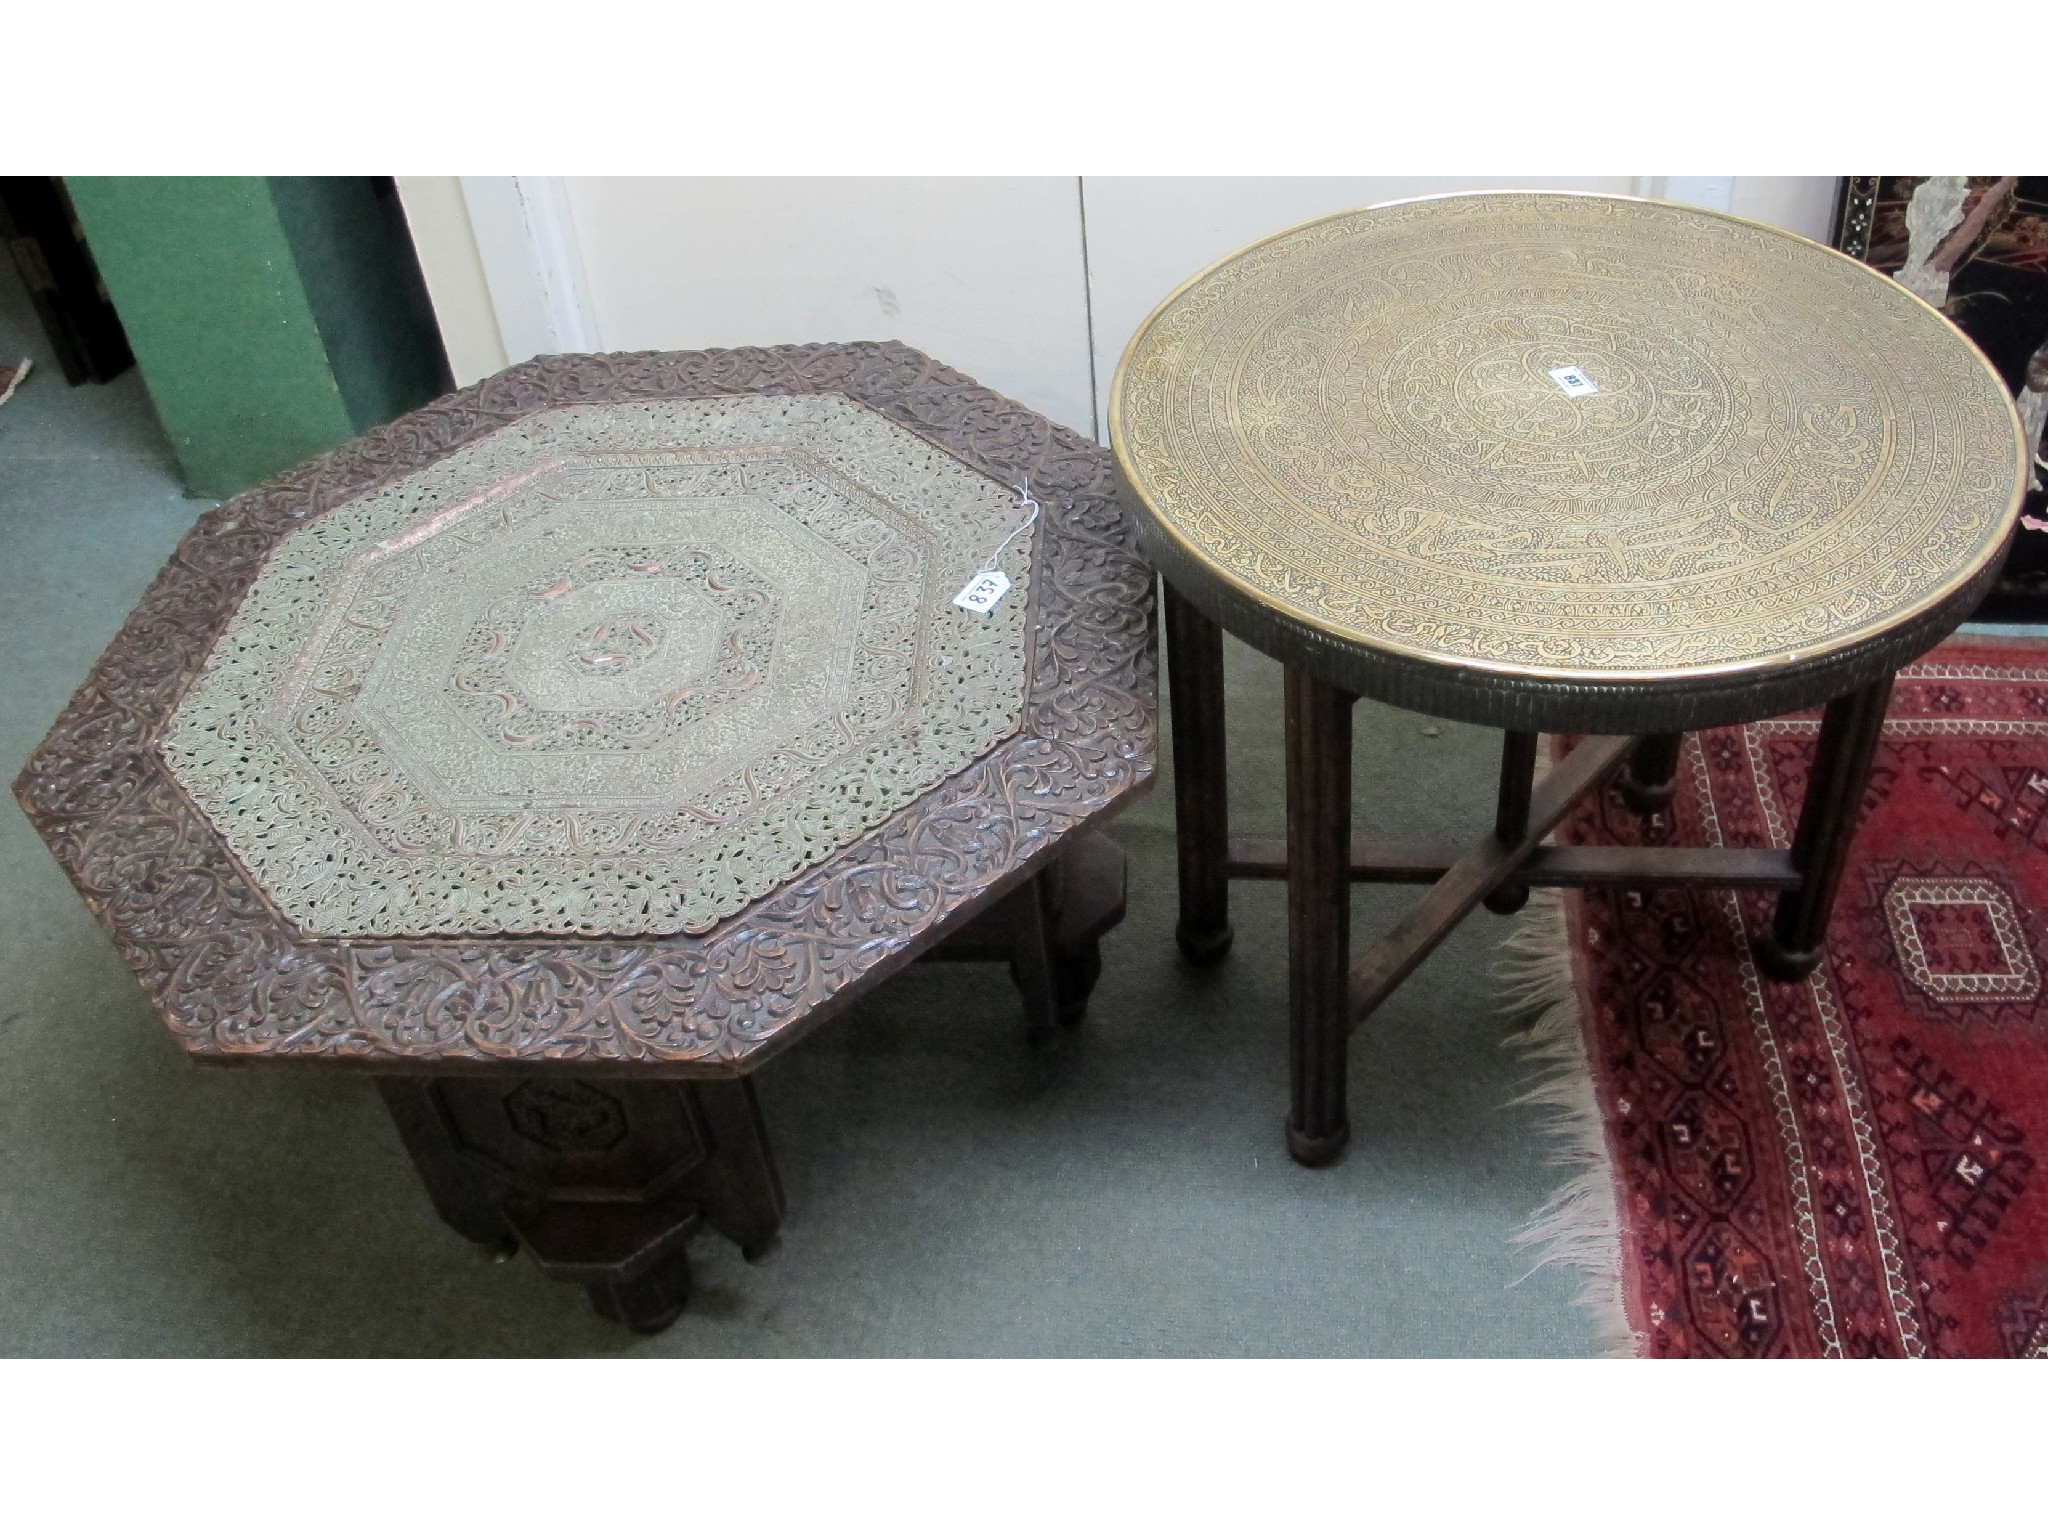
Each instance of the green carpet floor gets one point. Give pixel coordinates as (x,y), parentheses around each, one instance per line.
(950,1193)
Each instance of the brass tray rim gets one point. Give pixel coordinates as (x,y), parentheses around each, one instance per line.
(1994,548)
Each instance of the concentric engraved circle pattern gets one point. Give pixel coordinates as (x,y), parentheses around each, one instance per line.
(1354,427)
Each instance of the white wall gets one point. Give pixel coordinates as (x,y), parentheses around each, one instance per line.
(1803,204)
(454,270)
(1030,284)
(982,272)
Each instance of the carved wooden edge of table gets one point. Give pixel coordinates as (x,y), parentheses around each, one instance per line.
(1006,841)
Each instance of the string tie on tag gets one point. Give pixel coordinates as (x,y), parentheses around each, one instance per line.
(1024,495)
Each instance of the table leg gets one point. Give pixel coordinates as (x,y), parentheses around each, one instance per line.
(1053,925)
(458,1195)
(1034,924)
(1849,732)
(1511,814)
(1318,915)
(743,1201)
(1201,808)
(1649,778)
(602,1182)
(1088,893)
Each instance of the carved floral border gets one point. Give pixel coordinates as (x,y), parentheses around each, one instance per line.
(234,981)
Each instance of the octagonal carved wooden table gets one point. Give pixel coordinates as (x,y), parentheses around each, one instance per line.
(1546,462)
(560,752)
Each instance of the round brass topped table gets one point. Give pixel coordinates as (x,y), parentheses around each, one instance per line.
(1548,462)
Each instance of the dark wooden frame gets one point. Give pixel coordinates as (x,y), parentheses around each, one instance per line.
(1328,995)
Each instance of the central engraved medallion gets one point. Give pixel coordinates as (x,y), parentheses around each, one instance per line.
(617,643)
(617,649)
(1480,393)
(1509,393)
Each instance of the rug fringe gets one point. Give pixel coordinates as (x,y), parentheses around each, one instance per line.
(1578,1227)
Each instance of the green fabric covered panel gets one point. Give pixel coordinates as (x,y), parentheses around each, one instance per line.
(362,282)
(271,317)
(208,289)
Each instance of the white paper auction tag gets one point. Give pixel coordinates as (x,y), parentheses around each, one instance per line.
(988,586)
(982,593)
(1573,381)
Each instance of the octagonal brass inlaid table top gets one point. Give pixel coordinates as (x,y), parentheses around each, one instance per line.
(613,712)
(1557,461)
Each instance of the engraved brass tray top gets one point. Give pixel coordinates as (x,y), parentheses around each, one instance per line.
(611,712)
(1563,461)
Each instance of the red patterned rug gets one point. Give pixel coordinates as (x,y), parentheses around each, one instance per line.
(1849,1165)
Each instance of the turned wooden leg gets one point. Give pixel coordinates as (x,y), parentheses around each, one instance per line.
(602,1182)
(1511,815)
(1075,975)
(1650,776)
(1201,810)
(1849,732)
(1089,884)
(1056,925)
(1318,915)
(1034,923)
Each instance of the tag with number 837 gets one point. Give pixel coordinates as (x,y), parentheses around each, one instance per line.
(982,593)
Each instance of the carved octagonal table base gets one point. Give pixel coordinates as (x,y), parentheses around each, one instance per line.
(601,1183)
(604,1181)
